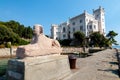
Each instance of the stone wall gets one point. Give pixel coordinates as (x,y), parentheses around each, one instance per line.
(5,52)
(71,49)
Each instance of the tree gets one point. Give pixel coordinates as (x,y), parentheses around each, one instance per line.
(21,30)
(13,25)
(29,32)
(80,37)
(111,35)
(65,42)
(14,32)
(97,39)
(7,35)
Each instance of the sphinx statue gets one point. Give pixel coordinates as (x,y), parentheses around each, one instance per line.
(39,46)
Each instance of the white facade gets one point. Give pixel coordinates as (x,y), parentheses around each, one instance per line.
(85,22)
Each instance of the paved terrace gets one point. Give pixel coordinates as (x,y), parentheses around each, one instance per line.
(101,66)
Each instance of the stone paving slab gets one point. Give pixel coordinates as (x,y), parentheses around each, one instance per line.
(101,66)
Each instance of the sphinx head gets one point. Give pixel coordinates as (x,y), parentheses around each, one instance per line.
(37,29)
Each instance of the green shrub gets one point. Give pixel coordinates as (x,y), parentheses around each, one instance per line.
(2,46)
(23,42)
(65,42)
(8,45)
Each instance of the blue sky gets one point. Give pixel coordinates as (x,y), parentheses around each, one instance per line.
(47,12)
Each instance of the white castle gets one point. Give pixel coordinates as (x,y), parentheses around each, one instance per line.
(85,22)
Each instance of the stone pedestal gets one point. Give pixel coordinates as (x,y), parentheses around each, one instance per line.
(50,67)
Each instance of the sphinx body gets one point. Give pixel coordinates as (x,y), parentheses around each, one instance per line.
(39,46)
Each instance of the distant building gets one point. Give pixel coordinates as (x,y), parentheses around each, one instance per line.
(85,22)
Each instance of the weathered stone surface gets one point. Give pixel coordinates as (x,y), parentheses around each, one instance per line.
(5,52)
(15,75)
(100,66)
(71,49)
(51,67)
(40,45)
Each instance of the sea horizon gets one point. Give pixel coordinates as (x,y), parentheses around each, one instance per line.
(116,46)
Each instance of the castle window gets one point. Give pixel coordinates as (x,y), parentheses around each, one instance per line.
(64,30)
(90,27)
(64,36)
(81,28)
(56,38)
(73,29)
(80,21)
(73,23)
(102,19)
(57,33)
(94,26)
(97,15)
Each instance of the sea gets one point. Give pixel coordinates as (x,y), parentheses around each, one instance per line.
(116,46)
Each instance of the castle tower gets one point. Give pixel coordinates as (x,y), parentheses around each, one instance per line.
(99,15)
(54,30)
